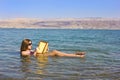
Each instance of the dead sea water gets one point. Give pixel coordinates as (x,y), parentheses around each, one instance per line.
(102,61)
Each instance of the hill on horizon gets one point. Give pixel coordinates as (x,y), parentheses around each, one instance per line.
(62,23)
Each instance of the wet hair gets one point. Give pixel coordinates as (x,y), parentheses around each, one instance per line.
(24,45)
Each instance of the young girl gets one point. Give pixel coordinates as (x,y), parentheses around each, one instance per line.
(26,50)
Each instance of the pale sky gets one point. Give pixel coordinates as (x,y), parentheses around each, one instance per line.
(59,8)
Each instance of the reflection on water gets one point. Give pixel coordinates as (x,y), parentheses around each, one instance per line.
(25,64)
(42,62)
(32,66)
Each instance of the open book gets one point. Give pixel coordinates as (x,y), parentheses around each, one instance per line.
(42,47)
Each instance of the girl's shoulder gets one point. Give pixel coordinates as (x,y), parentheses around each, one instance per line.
(25,53)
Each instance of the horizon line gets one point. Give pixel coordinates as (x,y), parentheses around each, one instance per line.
(61,18)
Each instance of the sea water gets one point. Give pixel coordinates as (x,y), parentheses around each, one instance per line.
(102,61)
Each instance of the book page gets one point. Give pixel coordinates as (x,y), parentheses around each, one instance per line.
(43,47)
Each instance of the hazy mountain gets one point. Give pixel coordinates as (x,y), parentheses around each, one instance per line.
(74,23)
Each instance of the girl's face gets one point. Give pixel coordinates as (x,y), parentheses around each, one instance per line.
(30,45)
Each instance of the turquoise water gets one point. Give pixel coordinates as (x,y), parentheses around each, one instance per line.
(102,61)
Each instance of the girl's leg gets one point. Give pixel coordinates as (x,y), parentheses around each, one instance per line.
(62,54)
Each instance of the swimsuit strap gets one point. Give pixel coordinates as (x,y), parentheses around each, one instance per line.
(31,52)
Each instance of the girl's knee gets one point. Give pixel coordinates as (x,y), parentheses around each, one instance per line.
(54,51)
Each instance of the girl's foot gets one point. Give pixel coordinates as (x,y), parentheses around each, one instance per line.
(80,53)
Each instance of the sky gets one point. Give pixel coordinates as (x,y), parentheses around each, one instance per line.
(59,8)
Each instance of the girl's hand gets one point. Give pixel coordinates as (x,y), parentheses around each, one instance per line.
(37,50)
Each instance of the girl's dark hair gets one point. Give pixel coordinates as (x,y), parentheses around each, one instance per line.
(24,45)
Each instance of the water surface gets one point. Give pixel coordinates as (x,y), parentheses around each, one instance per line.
(102,61)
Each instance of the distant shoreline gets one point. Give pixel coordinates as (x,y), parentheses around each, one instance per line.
(58,29)
(71,23)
